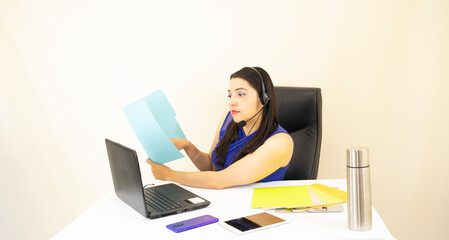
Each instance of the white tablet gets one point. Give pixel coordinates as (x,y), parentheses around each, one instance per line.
(253,223)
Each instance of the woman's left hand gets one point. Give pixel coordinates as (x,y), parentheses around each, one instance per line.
(160,172)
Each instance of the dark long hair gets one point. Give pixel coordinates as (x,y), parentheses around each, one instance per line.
(269,122)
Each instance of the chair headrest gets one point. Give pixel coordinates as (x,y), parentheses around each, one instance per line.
(298,107)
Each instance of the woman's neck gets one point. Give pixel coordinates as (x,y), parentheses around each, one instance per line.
(252,125)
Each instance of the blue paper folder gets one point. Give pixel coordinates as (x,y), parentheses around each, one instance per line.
(154,122)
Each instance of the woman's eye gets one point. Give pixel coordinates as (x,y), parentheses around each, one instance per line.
(242,94)
(229,95)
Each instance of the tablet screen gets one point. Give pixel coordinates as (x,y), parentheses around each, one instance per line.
(255,221)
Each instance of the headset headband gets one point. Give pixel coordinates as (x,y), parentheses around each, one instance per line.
(263,96)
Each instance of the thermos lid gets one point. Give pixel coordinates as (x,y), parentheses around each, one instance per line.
(357,157)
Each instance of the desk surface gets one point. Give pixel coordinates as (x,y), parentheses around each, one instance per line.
(111,218)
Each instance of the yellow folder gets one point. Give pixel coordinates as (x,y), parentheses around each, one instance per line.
(297,196)
(277,197)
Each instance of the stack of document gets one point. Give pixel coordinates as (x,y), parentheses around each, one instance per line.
(298,198)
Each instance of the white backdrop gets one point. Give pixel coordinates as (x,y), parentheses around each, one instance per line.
(67,68)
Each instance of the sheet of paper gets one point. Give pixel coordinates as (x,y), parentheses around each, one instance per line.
(335,208)
(328,194)
(316,200)
(343,195)
(164,114)
(153,121)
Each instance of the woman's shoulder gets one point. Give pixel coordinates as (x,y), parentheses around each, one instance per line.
(280,130)
(282,144)
(281,137)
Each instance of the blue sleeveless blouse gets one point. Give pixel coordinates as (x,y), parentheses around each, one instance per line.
(239,143)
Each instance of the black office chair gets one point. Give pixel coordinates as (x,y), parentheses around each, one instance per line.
(300,115)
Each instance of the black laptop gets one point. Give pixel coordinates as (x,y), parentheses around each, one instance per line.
(152,202)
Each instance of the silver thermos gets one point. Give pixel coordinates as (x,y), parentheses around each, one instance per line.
(359,189)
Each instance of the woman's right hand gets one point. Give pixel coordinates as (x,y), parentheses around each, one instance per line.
(179,143)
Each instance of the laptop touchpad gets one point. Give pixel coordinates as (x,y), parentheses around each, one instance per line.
(194,200)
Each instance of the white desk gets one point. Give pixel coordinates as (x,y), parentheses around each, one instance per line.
(111,218)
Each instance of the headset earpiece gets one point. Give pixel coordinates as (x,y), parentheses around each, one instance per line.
(263,96)
(265,99)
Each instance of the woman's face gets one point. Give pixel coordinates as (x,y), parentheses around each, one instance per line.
(244,100)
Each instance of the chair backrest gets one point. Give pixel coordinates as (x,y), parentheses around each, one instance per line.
(300,115)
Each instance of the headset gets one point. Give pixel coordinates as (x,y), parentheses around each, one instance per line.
(263,98)
(263,95)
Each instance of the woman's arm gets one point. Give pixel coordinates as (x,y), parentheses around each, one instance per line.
(201,160)
(276,152)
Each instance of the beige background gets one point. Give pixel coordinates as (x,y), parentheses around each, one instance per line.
(68,67)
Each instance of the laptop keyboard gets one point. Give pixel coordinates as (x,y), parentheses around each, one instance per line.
(158,201)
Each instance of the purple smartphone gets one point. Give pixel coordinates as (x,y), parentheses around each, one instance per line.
(192,223)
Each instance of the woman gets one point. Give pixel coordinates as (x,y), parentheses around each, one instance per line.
(249,146)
